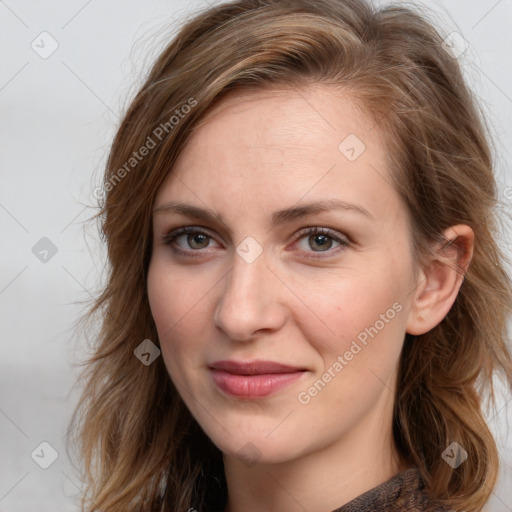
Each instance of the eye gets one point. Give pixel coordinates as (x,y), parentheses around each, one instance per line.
(321,240)
(192,239)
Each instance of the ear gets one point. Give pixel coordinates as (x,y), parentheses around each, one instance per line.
(439,283)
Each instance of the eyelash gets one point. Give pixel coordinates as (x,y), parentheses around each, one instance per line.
(306,232)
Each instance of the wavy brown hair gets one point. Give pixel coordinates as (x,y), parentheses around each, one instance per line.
(140,446)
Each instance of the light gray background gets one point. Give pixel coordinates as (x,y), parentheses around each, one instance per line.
(57,119)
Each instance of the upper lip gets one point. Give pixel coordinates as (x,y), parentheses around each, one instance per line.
(255,367)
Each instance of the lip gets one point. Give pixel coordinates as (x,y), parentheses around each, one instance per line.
(254,367)
(253,379)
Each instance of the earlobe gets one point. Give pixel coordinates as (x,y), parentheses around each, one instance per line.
(439,283)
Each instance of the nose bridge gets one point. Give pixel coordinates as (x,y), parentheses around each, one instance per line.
(250,298)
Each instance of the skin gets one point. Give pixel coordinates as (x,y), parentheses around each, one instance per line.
(261,152)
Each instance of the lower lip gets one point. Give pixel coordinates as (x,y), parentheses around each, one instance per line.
(253,386)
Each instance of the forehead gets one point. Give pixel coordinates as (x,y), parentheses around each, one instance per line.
(286,117)
(280,145)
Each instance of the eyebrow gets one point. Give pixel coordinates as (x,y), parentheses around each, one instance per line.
(278,217)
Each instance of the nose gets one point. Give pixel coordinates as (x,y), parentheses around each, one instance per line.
(251,300)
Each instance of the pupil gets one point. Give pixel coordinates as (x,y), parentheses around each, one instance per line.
(323,244)
(193,238)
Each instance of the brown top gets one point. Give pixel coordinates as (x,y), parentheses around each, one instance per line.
(404,492)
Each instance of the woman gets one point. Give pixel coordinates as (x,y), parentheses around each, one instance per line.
(305,285)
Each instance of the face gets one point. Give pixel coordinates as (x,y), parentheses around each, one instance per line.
(260,275)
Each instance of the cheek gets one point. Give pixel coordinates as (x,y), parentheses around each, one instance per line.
(368,317)
(160,290)
(359,360)
(346,306)
(178,306)
(172,297)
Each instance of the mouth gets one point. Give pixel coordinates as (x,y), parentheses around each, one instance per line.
(253,379)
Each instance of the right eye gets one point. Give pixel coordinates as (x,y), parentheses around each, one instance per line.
(188,239)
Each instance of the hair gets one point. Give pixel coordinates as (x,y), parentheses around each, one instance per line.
(140,446)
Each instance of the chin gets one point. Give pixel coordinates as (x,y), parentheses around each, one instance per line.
(257,449)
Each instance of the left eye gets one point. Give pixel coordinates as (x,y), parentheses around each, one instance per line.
(321,238)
